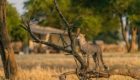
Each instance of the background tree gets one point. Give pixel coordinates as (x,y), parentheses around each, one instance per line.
(122,10)
(8,59)
(134,20)
(13,22)
(126,10)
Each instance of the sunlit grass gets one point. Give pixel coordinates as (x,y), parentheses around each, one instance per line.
(49,67)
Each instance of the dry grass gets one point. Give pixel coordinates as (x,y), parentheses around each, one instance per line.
(48,67)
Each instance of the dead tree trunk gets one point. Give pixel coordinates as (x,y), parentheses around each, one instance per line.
(133,72)
(8,59)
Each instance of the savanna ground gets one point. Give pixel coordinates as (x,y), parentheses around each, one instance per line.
(49,66)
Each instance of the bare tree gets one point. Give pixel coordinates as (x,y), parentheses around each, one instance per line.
(7,53)
(83,66)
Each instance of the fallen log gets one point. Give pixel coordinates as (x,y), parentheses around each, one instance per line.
(133,72)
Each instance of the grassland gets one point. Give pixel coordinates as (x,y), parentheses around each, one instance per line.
(49,66)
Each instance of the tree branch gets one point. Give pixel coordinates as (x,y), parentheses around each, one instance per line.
(72,40)
(60,14)
(36,39)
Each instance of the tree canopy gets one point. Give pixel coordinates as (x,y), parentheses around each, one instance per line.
(13,23)
(80,13)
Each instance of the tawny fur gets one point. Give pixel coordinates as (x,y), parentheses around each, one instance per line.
(91,50)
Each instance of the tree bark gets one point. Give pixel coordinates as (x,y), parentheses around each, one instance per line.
(133,46)
(8,59)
